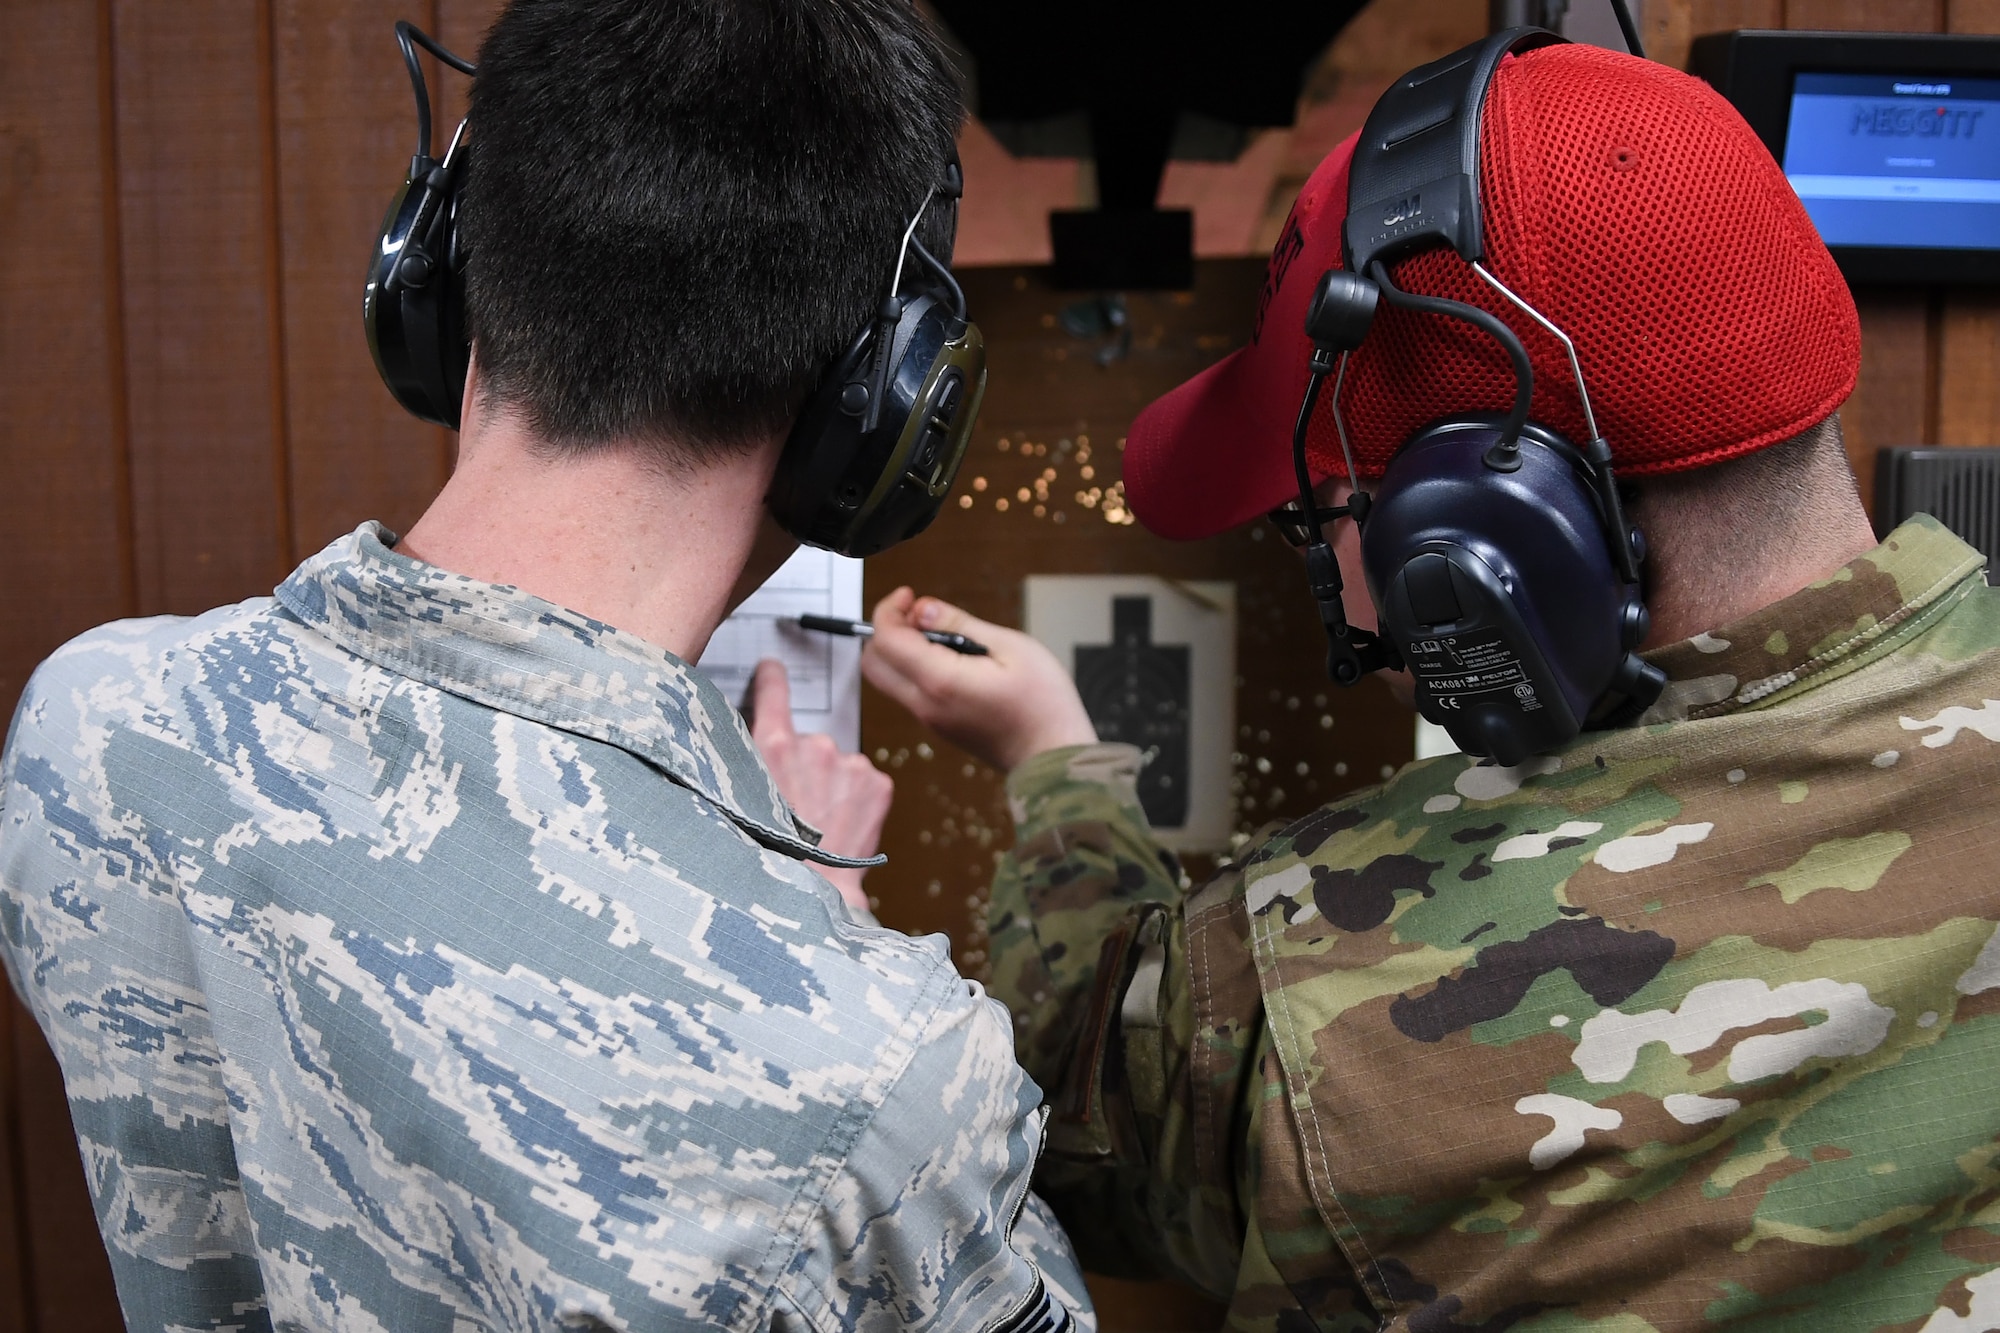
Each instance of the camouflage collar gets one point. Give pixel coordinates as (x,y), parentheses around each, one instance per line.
(504,648)
(1821,632)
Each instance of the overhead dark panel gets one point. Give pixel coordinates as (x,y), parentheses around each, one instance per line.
(1045,58)
(1132,76)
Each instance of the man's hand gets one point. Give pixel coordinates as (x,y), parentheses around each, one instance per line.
(842,795)
(1003,708)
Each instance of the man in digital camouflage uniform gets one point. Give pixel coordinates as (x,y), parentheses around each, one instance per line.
(426,946)
(1694,1024)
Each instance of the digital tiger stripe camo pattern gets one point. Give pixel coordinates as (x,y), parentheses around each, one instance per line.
(1695,1025)
(423,956)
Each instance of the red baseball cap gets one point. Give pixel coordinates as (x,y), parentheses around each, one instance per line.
(1626,201)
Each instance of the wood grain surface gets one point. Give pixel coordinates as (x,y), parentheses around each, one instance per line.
(64,507)
(199,275)
(1893,403)
(346,130)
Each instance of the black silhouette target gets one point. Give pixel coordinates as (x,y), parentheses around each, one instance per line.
(1139,692)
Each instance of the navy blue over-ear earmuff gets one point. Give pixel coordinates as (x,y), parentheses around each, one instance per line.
(1497,553)
(871,457)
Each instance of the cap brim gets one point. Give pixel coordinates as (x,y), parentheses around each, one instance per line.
(1217,451)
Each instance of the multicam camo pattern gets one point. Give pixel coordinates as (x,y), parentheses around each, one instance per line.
(1694,1025)
(420,955)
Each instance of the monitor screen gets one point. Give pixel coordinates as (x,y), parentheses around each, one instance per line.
(1910,161)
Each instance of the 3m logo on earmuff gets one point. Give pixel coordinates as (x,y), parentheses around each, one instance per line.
(1409,206)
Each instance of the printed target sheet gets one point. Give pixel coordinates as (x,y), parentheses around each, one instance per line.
(825,669)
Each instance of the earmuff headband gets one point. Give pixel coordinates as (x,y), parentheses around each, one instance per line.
(1414,182)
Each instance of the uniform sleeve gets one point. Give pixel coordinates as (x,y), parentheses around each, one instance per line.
(1089,947)
(91,934)
(929,1225)
(1083,860)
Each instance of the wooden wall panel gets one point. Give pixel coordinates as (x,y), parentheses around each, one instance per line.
(63,506)
(1717,15)
(1892,402)
(346,129)
(1670,25)
(203,324)
(1968,378)
(1972,16)
(1864,15)
(1969,331)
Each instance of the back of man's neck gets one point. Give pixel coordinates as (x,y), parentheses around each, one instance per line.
(1705,580)
(616,533)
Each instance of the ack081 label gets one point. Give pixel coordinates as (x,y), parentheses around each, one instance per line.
(1455,667)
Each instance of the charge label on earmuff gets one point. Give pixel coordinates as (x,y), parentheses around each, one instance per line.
(1455,666)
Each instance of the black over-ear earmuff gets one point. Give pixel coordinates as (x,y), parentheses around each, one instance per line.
(1497,552)
(871,456)
(413,310)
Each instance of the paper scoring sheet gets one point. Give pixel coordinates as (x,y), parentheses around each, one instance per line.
(825,669)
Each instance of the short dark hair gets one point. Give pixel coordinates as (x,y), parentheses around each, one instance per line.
(679,211)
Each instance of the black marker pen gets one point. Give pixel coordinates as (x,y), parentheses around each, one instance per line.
(861,629)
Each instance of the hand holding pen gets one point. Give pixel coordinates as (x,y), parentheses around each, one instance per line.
(1002,705)
(861,629)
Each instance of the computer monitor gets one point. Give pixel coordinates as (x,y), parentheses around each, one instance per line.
(1892,142)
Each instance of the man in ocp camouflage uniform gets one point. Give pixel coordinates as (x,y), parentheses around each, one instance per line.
(1694,1024)
(427,946)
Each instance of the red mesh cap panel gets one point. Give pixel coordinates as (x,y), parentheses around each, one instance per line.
(1627,202)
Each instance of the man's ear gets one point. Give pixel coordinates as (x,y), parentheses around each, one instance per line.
(470,398)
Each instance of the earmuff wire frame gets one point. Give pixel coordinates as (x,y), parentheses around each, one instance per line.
(892,311)
(430,209)
(1598,452)
(909,235)
(1569,347)
(1346,450)
(1301,523)
(944,275)
(1302,473)
(1504,454)
(1351,653)
(409,36)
